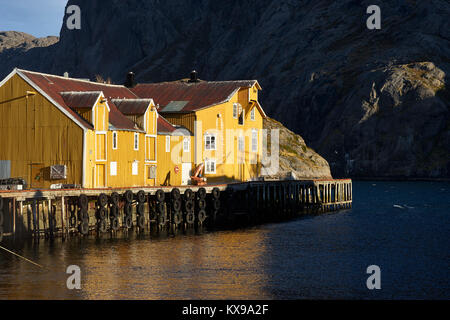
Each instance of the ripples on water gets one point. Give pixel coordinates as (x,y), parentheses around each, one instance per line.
(401,226)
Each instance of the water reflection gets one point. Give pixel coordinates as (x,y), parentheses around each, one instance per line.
(209,266)
(321,257)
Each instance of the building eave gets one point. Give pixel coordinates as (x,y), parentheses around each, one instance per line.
(45,95)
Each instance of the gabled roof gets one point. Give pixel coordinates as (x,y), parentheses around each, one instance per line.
(51,86)
(184,96)
(81,100)
(69,94)
(164,126)
(133,106)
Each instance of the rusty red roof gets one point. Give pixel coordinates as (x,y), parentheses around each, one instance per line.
(75,99)
(165,126)
(53,86)
(184,96)
(177,96)
(132,106)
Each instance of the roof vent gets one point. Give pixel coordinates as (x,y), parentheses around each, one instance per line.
(194,77)
(130,83)
(66,74)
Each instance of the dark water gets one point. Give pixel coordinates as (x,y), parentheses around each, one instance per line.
(320,257)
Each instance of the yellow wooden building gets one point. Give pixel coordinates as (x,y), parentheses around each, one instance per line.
(58,130)
(225,119)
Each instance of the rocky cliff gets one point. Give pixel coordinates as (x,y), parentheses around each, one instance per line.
(372,102)
(296,159)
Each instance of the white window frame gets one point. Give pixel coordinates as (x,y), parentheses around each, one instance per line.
(243,118)
(136,141)
(235,110)
(133,164)
(115,139)
(167,143)
(210,135)
(208,163)
(252,114)
(241,142)
(254,140)
(186,144)
(113,168)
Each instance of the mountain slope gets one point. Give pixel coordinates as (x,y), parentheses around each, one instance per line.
(372,102)
(22,49)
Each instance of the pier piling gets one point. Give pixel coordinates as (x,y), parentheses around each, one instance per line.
(66,213)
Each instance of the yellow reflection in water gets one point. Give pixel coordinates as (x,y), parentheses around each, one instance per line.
(221,265)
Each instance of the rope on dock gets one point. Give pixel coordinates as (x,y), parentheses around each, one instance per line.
(22,257)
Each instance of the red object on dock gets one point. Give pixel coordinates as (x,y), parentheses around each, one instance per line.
(196,178)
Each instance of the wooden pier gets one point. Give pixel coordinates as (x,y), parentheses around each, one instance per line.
(72,212)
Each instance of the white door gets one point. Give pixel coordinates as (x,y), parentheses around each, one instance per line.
(186,173)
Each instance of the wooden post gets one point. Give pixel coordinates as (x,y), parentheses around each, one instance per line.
(263,200)
(62,217)
(345,191)
(330,192)
(50,218)
(314,195)
(348,191)
(306,195)
(33,208)
(44,219)
(257,199)
(38,215)
(21,219)
(339,194)
(14,217)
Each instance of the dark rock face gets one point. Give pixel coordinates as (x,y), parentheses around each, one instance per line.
(372,102)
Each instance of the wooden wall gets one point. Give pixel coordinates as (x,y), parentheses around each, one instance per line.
(34,135)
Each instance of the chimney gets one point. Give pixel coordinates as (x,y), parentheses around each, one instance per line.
(130,83)
(66,74)
(194,77)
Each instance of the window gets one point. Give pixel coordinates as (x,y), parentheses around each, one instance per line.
(254,140)
(241,143)
(252,114)
(113,168)
(235,110)
(186,144)
(134,168)
(5,169)
(151,172)
(241,118)
(136,141)
(210,142)
(210,166)
(114,140)
(167,143)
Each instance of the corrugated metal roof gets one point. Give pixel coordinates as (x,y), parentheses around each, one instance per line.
(52,85)
(132,106)
(177,96)
(199,95)
(164,126)
(80,100)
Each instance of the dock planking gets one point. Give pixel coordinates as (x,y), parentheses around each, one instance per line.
(65,213)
